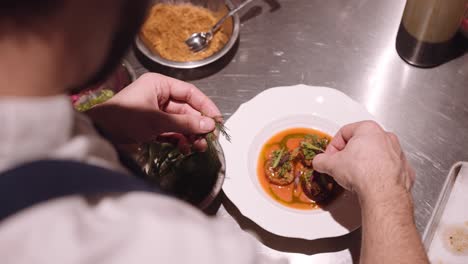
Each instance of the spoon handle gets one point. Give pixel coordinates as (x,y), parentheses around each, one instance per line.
(221,21)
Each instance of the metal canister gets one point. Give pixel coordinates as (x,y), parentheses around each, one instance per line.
(429,31)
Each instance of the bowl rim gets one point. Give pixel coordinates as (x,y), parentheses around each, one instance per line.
(130,70)
(218,185)
(194,64)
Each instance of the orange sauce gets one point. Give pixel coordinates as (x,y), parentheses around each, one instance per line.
(290,195)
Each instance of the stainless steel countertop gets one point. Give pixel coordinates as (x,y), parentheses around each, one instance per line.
(350,46)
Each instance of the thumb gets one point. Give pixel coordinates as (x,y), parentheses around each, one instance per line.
(325,163)
(185,124)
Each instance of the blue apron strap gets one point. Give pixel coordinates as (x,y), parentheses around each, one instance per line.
(39,181)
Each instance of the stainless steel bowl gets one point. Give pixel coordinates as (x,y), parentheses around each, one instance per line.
(231,27)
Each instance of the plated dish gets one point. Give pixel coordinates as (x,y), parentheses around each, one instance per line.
(311,115)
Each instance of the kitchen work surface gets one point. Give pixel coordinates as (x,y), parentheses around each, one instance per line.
(349,46)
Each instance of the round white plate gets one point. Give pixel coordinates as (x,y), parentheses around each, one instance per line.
(253,124)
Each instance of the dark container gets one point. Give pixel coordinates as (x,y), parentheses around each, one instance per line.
(429,32)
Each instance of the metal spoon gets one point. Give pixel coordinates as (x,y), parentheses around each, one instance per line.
(199,41)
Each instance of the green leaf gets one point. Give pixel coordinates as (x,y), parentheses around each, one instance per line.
(277,155)
(310,146)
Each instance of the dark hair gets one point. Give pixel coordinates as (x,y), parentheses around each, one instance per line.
(24,12)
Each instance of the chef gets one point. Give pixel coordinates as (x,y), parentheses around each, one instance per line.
(66,198)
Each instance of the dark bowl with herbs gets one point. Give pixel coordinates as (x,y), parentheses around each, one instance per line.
(196,177)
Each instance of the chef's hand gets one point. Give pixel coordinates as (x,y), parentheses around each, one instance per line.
(156,105)
(364,158)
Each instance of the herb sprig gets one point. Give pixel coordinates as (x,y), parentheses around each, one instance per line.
(223,130)
(277,155)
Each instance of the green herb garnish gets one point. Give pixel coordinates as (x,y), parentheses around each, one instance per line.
(313,145)
(277,155)
(222,129)
(307,175)
(308,145)
(285,168)
(94,99)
